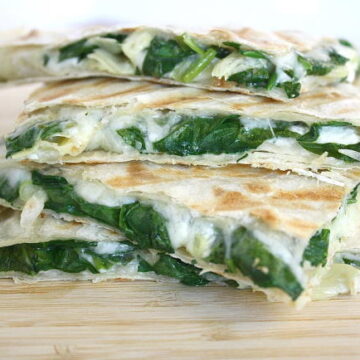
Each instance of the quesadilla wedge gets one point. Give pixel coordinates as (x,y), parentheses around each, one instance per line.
(280,65)
(53,249)
(108,120)
(272,231)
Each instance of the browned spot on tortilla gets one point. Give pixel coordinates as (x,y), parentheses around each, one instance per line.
(173,101)
(137,174)
(260,102)
(132,90)
(33,33)
(301,227)
(323,193)
(222,83)
(258,187)
(319,95)
(232,200)
(266,215)
(244,171)
(57,93)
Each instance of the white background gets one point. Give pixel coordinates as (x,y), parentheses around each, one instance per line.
(339,18)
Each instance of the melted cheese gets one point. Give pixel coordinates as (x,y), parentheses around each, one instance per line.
(235,63)
(15,175)
(288,62)
(105,61)
(135,46)
(338,135)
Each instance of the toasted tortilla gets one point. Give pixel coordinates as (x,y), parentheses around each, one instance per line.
(93,117)
(215,60)
(273,231)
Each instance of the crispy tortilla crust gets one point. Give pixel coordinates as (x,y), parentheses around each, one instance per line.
(24,50)
(278,42)
(331,103)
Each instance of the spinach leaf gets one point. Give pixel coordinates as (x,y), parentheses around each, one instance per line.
(63,199)
(163,55)
(78,49)
(71,256)
(24,140)
(7,191)
(317,250)
(321,68)
(346,43)
(139,222)
(168,266)
(351,199)
(186,41)
(198,65)
(217,254)
(256,54)
(144,225)
(116,36)
(46,59)
(351,257)
(291,88)
(221,52)
(308,142)
(48,130)
(272,81)
(194,136)
(133,137)
(27,138)
(315,67)
(254,260)
(336,58)
(217,135)
(256,77)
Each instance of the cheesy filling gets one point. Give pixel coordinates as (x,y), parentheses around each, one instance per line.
(156,53)
(72,131)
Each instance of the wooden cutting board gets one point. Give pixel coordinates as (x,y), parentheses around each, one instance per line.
(143,320)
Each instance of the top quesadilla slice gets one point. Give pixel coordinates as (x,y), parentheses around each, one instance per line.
(50,248)
(109,120)
(280,65)
(273,231)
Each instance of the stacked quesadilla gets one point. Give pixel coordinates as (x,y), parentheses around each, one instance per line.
(137,178)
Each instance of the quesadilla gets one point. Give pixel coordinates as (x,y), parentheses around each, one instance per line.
(53,249)
(280,65)
(272,231)
(108,120)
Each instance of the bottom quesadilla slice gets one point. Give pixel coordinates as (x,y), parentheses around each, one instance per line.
(273,231)
(54,249)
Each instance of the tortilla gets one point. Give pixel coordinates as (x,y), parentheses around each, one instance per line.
(109,120)
(273,231)
(279,65)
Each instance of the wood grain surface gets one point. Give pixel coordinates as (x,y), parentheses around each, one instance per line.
(144,320)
